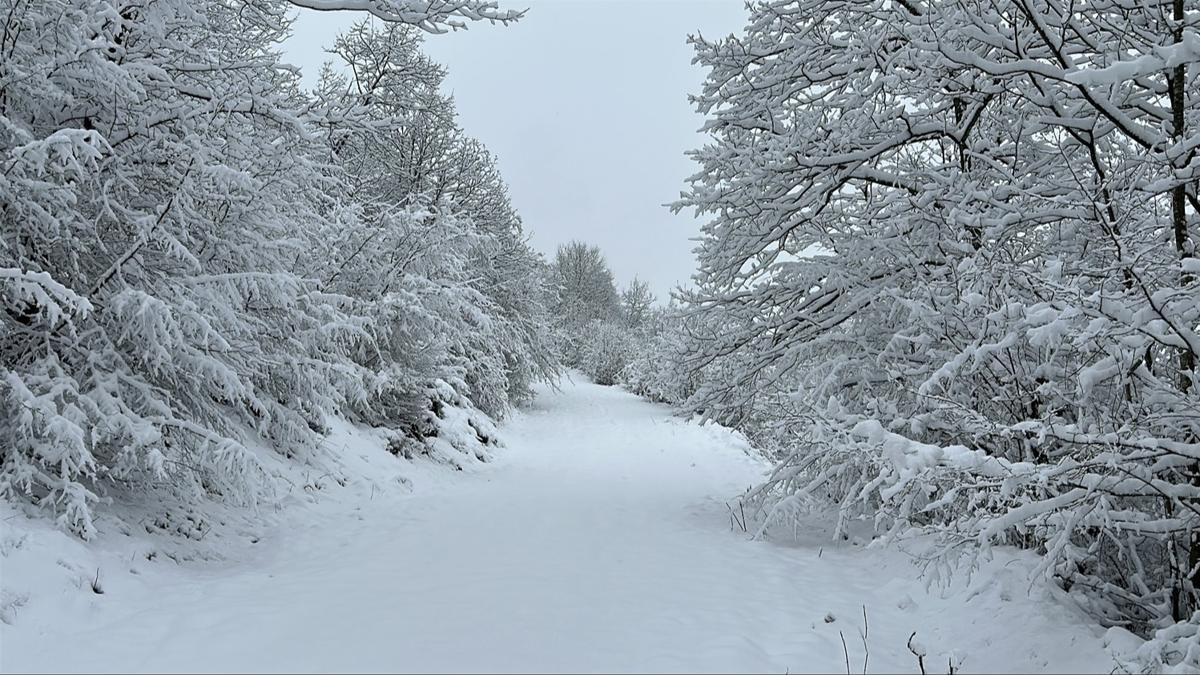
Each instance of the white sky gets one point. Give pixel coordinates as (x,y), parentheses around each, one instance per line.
(584,103)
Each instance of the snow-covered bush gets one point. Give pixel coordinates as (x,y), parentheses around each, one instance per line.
(949,278)
(1172,650)
(605,352)
(196,254)
(656,368)
(448,427)
(147,239)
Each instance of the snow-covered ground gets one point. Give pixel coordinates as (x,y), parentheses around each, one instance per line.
(598,540)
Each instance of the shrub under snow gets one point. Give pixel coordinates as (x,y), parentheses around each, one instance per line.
(198,257)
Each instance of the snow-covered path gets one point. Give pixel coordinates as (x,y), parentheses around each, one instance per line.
(597,541)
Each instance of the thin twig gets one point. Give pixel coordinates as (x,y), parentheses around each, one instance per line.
(920,657)
(863,634)
(846,652)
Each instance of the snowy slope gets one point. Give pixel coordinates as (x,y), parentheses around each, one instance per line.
(598,540)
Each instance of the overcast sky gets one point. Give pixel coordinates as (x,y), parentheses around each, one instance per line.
(584,103)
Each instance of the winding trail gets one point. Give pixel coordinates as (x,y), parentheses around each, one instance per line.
(598,540)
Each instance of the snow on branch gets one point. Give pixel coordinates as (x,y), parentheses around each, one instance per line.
(434,16)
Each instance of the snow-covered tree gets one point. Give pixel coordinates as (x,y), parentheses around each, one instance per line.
(153,197)
(169,200)
(456,228)
(949,269)
(637,304)
(587,293)
(585,284)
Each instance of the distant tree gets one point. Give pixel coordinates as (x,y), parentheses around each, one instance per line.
(586,293)
(637,304)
